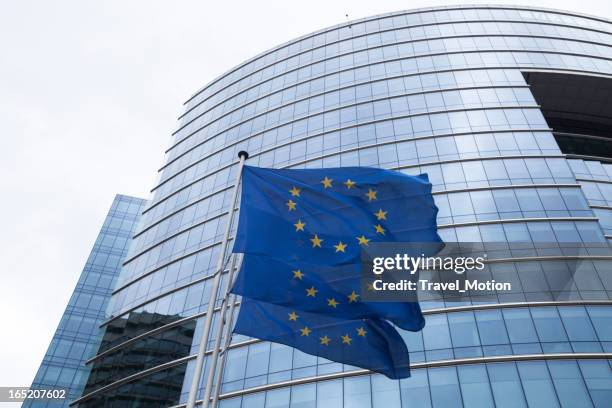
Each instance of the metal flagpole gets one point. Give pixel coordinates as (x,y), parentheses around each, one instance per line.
(228,340)
(197,373)
(215,354)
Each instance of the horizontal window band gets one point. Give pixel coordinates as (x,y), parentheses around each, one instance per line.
(428,55)
(316,113)
(349,374)
(382,143)
(131,378)
(488,222)
(426,312)
(587,157)
(518,259)
(593,180)
(442,192)
(149,333)
(170,262)
(504,187)
(159,296)
(415,366)
(432,54)
(372,122)
(361,50)
(340,88)
(517,220)
(440,162)
(173,235)
(475,68)
(395,14)
(601,207)
(583,136)
(352,52)
(365,34)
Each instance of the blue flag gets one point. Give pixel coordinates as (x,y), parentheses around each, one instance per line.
(371,344)
(302,232)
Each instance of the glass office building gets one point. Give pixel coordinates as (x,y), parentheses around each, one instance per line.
(507,109)
(77,335)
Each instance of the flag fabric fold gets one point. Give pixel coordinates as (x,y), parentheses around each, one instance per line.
(372,344)
(310,287)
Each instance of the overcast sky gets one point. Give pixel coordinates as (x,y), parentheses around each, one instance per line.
(89,94)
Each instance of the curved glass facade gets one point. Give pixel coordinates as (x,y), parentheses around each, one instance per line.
(460,93)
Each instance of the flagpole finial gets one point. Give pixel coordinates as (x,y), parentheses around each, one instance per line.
(242,154)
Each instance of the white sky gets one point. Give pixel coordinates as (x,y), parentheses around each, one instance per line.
(89,94)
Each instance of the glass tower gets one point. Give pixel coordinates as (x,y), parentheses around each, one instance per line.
(506,108)
(77,335)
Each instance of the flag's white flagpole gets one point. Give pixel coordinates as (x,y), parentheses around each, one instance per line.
(212,367)
(197,372)
(228,339)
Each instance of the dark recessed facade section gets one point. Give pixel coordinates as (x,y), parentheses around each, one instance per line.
(578,108)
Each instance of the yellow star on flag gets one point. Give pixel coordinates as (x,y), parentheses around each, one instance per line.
(379,229)
(325,340)
(298,274)
(299,226)
(352,297)
(327,182)
(349,184)
(363,240)
(361,332)
(381,215)
(370,286)
(371,195)
(291,205)
(293,316)
(312,292)
(340,247)
(295,192)
(305,331)
(316,241)
(346,339)
(332,303)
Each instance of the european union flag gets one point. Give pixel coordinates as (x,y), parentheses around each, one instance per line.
(326,214)
(302,232)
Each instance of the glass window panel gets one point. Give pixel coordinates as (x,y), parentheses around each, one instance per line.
(415,390)
(519,325)
(278,398)
(357,392)
(506,385)
(537,384)
(491,327)
(548,324)
(577,324)
(601,316)
(463,329)
(257,361)
(329,394)
(598,378)
(569,385)
(303,396)
(435,333)
(385,392)
(445,391)
(475,388)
